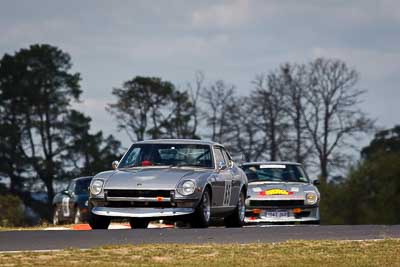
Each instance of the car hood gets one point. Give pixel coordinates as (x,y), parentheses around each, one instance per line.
(274,190)
(150,178)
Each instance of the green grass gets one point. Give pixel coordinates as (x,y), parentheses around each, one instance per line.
(291,253)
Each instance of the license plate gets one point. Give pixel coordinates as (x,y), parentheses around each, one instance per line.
(276,214)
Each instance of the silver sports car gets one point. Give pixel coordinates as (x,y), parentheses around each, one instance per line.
(280,192)
(175,180)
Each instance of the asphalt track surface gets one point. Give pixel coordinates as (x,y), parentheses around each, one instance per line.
(51,240)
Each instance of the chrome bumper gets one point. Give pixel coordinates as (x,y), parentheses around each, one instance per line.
(314,216)
(275,220)
(141,212)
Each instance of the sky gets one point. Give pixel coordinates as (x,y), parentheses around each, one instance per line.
(113,41)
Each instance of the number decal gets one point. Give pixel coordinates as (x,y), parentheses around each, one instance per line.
(227,193)
(65,206)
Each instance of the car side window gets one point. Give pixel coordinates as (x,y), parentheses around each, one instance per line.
(219,156)
(227,158)
(71,187)
(301,174)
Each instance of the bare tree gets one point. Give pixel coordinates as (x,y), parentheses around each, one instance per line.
(295,83)
(244,136)
(331,116)
(195,91)
(269,100)
(217,98)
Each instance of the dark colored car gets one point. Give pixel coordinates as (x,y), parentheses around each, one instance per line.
(176,180)
(71,205)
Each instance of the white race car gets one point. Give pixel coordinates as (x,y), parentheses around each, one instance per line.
(280,192)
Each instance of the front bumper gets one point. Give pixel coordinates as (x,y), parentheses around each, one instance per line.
(306,215)
(141,212)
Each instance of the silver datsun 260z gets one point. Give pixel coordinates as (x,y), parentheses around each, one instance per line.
(280,192)
(175,180)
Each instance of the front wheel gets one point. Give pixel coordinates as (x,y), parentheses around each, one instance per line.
(236,219)
(99,222)
(202,215)
(138,223)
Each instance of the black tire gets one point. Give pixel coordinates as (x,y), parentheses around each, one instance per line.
(236,219)
(202,215)
(56,216)
(99,222)
(138,223)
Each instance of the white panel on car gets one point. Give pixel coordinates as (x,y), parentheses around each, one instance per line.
(272,166)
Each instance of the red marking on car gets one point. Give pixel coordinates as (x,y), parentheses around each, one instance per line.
(159,199)
(146,163)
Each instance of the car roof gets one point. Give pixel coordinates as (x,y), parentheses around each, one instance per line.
(271,163)
(179,141)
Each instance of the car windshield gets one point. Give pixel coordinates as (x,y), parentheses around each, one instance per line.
(82,186)
(144,155)
(275,173)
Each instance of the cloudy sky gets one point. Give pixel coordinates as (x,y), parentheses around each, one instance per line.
(113,41)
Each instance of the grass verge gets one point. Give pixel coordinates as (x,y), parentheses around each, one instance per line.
(291,253)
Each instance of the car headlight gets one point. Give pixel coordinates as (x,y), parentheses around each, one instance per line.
(311,198)
(186,188)
(96,187)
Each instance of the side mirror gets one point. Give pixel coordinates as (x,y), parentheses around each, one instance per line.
(221,165)
(316,182)
(114,164)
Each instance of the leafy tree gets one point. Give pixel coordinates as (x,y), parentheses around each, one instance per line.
(11,211)
(138,106)
(369,193)
(90,153)
(150,107)
(386,141)
(42,137)
(178,123)
(37,89)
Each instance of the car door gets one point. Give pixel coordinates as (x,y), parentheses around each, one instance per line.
(223,180)
(235,178)
(66,201)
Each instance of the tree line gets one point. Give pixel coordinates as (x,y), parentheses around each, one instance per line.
(304,112)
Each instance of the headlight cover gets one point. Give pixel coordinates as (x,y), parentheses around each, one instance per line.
(311,198)
(186,188)
(96,187)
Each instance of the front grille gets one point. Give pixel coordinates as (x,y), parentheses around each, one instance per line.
(276,203)
(138,204)
(138,193)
